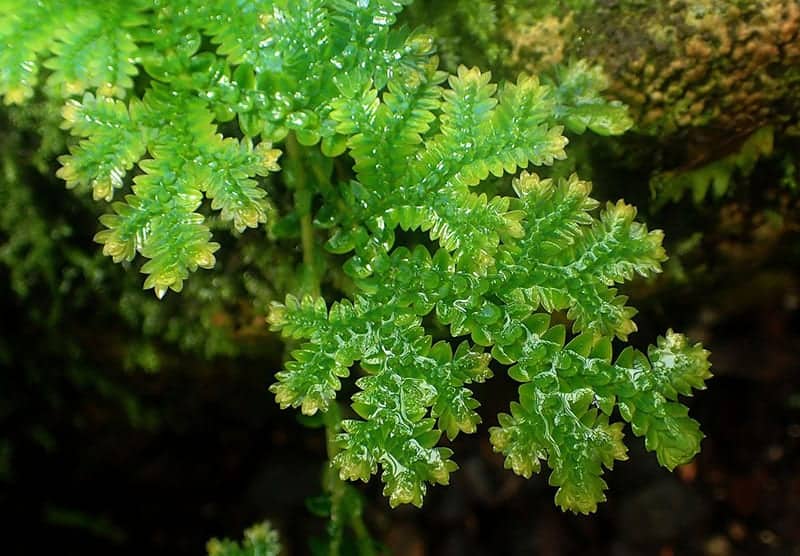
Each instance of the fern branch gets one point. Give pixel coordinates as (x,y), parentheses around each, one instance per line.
(577,386)
(88,47)
(565,405)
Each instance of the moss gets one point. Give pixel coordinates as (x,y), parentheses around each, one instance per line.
(731,66)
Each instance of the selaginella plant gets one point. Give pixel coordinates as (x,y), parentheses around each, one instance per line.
(149,89)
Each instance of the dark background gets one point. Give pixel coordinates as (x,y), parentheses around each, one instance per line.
(99,458)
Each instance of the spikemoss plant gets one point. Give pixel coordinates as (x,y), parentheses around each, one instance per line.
(172,104)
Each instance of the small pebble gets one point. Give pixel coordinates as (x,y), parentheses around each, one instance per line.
(737,531)
(718,545)
(768,537)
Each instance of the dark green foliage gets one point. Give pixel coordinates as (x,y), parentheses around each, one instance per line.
(428,152)
(715,178)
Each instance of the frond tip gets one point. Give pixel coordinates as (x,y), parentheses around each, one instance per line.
(570,392)
(259,540)
(187,161)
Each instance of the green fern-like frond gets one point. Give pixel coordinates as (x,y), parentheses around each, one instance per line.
(259,540)
(569,392)
(425,183)
(88,46)
(568,260)
(113,143)
(580,103)
(159,219)
(407,376)
(96,51)
(562,257)
(273,71)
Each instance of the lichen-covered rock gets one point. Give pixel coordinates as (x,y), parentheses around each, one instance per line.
(733,66)
(715,83)
(730,65)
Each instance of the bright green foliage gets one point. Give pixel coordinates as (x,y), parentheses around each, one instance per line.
(160,219)
(341,503)
(429,188)
(560,257)
(569,393)
(86,45)
(57,275)
(280,67)
(429,150)
(259,540)
(274,73)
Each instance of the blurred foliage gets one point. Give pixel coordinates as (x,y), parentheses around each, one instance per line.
(259,540)
(714,178)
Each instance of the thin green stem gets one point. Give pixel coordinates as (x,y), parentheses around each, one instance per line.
(333,483)
(343,507)
(302,201)
(363,540)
